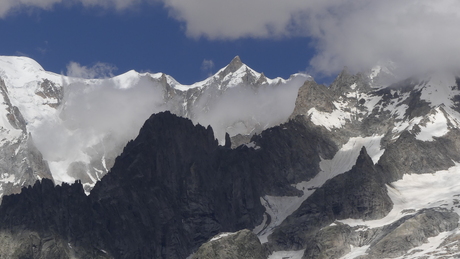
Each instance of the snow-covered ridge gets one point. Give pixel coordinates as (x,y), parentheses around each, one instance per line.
(80,125)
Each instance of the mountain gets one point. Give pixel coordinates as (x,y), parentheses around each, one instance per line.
(66,129)
(359,169)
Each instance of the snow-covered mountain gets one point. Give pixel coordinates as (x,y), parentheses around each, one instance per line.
(410,131)
(81,125)
(362,168)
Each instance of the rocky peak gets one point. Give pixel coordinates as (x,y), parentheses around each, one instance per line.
(313,95)
(234,65)
(347,82)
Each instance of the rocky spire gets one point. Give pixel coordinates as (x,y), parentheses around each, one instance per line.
(234,65)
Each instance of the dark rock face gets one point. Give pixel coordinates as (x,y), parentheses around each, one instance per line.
(176,193)
(171,190)
(290,153)
(47,221)
(242,244)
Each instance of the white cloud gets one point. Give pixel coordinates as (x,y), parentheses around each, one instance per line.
(94,111)
(415,34)
(242,109)
(207,66)
(98,70)
(8,6)
(236,18)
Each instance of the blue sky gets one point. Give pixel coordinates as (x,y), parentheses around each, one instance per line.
(144,39)
(276,37)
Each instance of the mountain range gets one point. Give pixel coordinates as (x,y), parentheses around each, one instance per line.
(287,168)
(66,128)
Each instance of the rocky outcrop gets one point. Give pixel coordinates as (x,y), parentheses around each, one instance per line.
(312,95)
(389,241)
(331,242)
(408,155)
(51,93)
(358,193)
(411,231)
(242,244)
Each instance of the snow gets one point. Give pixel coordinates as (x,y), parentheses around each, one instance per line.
(356,252)
(252,145)
(279,208)
(6,177)
(221,235)
(287,254)
(437,89)
(127,79)
(412,193)
(432,249)
(336,119)
(436,126)
(418,191)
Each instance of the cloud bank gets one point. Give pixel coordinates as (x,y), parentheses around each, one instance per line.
(98,70)
(244,109)
(98,117)
(416,35)
(9,6)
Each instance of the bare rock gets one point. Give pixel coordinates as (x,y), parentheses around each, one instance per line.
(240,245)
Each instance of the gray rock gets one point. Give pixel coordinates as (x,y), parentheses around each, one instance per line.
(412,231)
(51,93)
(389,241)
(312,95)
(240,245)
(358,193)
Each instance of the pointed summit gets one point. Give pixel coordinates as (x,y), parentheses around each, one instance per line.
(236,62)
(234,65)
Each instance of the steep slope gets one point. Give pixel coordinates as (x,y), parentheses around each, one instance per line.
(22,163)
